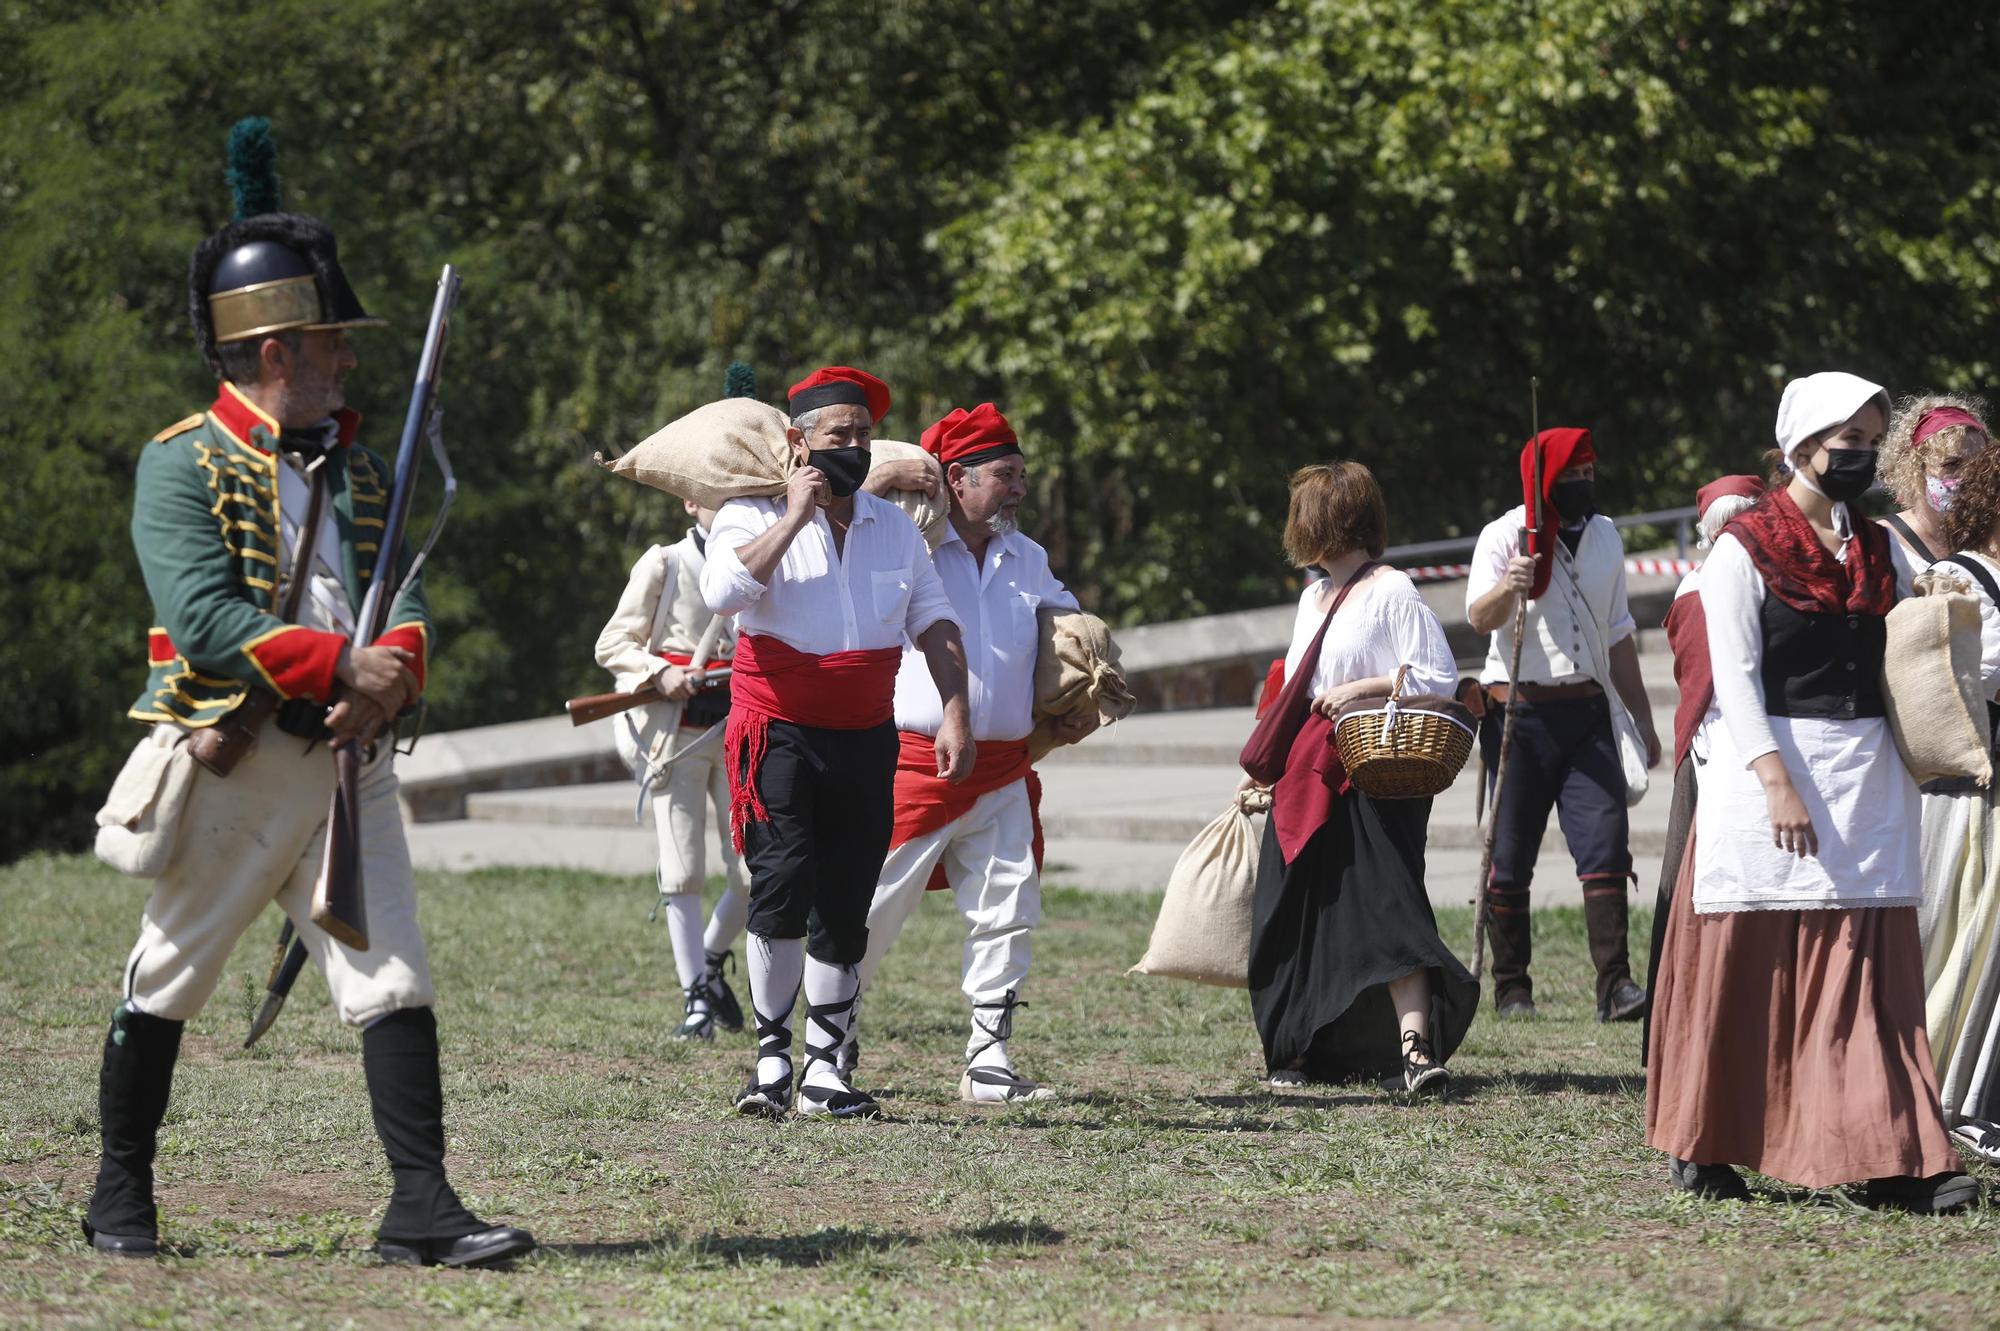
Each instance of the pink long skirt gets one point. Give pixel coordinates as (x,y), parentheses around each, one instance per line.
(1792,1043)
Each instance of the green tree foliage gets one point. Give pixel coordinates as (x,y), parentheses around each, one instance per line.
(1358,227)
(638,194)
(1187,245)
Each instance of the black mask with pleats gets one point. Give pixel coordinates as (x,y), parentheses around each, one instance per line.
(844,468)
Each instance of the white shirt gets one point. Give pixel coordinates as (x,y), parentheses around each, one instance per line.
(1383,624)
(1558,647)
(995,603)
(880,589)
(326,605)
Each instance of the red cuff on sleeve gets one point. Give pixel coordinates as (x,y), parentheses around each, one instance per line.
(297,662)
(412,638)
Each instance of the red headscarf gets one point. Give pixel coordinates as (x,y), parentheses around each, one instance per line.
(971,437)
(836,384)
(1561,447)
(1939,419)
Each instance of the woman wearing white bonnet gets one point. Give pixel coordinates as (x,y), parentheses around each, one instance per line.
(1789,1019)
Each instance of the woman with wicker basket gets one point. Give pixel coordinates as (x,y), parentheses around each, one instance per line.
(1348,976)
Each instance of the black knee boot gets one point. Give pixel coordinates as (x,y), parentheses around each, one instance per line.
(132,1089)
(425,1224)
(1513,948)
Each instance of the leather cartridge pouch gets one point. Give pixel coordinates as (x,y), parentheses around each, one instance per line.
(229,741)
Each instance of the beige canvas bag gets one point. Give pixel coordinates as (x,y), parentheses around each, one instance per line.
(731,449)
(1931,680)
(139,827)
(1076,667)
(1203,933)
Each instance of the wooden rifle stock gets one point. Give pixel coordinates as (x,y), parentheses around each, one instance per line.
(582,711)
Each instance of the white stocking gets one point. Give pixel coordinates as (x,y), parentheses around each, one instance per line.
(732,912)
(831,992)
(684,932)
(774,966)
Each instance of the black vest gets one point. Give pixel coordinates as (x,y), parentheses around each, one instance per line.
(1827,665)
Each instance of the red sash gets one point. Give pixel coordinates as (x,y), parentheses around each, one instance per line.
(777,682)
(926,801)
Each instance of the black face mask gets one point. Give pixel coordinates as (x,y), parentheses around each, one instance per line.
(844,468)
(1847,473)
(1574,500)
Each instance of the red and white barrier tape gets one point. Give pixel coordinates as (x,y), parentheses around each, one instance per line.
(1645,568)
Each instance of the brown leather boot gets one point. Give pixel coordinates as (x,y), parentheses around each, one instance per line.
(1605,915)
(1513,949)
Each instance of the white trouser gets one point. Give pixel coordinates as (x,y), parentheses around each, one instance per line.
(680,818)
(989,860)
(255,837)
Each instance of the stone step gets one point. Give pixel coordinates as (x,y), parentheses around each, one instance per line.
(1159,803)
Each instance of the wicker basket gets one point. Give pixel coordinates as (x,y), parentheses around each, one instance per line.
(1399,748)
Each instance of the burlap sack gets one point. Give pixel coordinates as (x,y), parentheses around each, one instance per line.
(1203,933)
(726,450)
(1931,680)
(1076,667)
(931,513)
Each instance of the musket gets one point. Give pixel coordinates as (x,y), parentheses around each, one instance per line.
(1480,915)
(339,899)
(597,706)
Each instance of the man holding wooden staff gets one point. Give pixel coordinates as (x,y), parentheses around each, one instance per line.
(1577,641)
(255,524)
(980,839)
(826,582)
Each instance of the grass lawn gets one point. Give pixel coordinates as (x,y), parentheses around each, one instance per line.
(1169,1190)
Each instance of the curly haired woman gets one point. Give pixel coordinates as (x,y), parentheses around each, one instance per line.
(1930,440)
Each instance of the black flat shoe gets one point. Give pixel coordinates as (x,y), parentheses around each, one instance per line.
(485,1247)
(1940,1194)
(123,1245)
(1626,1002)
(1718,1183)
(1423,1076)
(1518,1009)
(700,1019)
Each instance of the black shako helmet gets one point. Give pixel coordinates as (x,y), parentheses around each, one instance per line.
(267,274)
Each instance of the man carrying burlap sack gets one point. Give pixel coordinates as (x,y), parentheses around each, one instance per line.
(981,838)
(827,585)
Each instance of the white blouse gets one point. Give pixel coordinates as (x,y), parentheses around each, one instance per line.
(1383,625)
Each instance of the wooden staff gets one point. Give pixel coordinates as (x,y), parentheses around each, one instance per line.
(1492,812)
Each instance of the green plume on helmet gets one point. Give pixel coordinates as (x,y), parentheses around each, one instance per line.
(739,380)
(253,167)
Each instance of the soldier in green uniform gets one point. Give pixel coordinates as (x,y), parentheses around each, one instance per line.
(257,523)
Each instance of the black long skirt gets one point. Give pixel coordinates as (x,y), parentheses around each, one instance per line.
(1334,927)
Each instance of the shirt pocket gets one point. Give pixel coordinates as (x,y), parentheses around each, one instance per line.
(1021,608)
(891,593)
